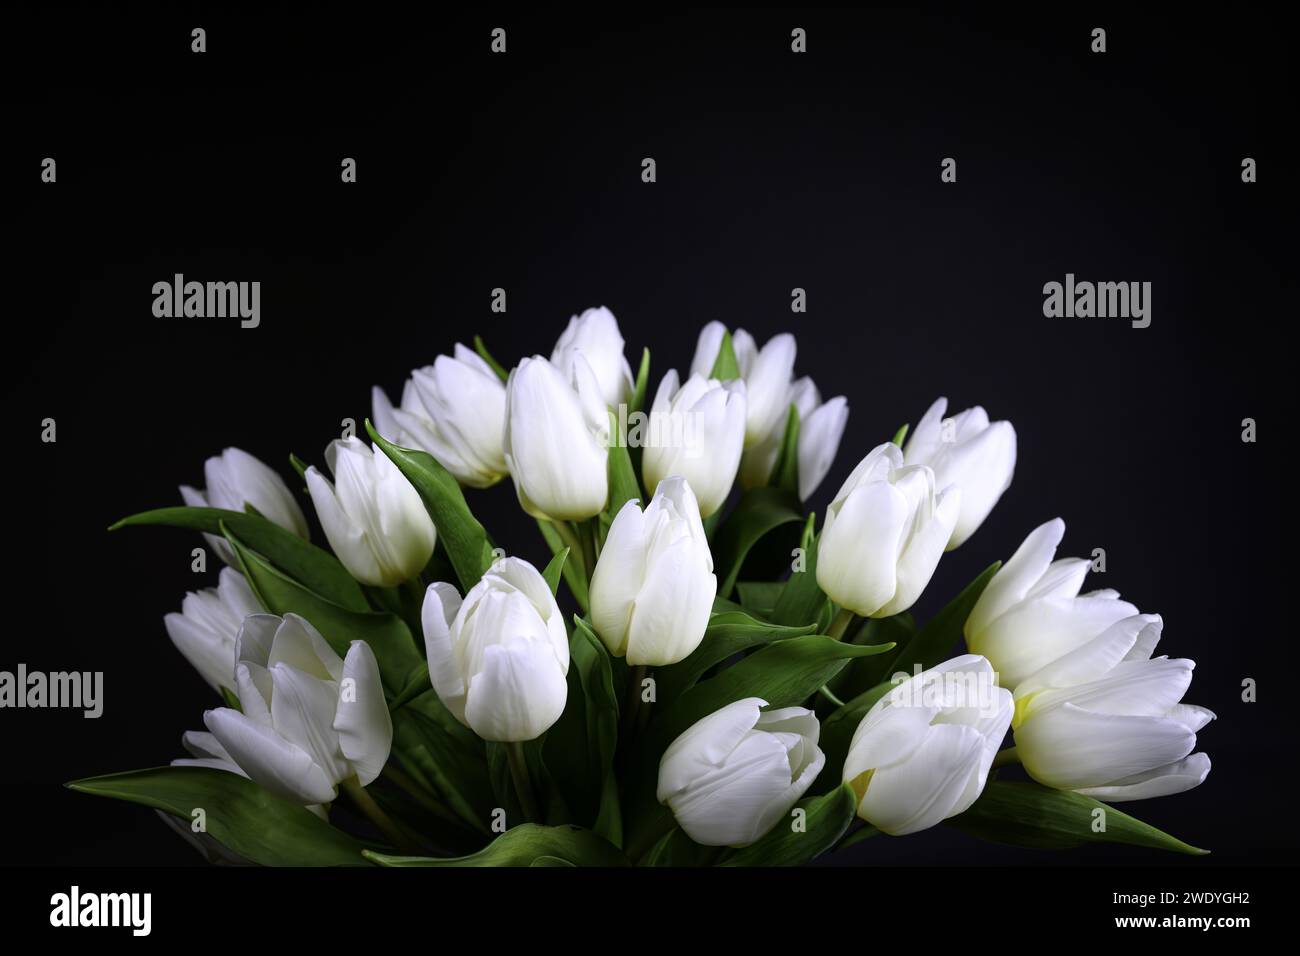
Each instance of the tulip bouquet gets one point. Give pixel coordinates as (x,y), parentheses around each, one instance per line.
(727,685)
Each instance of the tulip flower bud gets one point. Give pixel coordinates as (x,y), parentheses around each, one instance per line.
(596,337)
(922,754)
(499,659)
(455,409)
(309,719)
(208,625)
(696,431)
(373,517)
(967,451)
(653,588)
(1106,720)
(821,426)
(557,439)
(736,773)
(884,534)
(236,479)
(1031,612)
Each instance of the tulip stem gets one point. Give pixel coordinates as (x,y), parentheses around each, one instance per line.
(523,786)
(840,625)
(1004,757)
(576,550)
(631,713)
(590,533)
(375,814)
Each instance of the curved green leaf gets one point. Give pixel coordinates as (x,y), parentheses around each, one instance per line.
(314,568)
(524,845)
(460,533)
(551,573)
(1031,815)
(238,813)
(481,348)
(759,512)
(394,647)
(728,633)
(824,821)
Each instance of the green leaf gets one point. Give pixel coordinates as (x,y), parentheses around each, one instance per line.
(801,600)
(728,633)
(573,573)
(934,642)
(231,699)
(313,567)
(299,466)
(785,472)
(759,512)
(240,815)
(826,818)
(387,634)
(725,366)
(1031,815)
(642,383)
(676,849)
(899,436)
(623,486)
(481,348)
(463,537)
(446,758)
(864,674)
(759,597)
(525,845)
(784,673)
(579,747)
(551,573)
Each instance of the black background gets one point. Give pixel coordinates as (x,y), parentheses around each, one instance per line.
(775,170)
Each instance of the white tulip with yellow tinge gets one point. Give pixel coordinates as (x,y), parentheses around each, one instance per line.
(922,754)
(1107,719)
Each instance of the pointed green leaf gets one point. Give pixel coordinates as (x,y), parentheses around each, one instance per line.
(239,814)
(572,570)
(481,348)
(825,820)
(1031,815)
(554,569)
(759,512)
(387,634)
(523,846)
(313,567)
(725,366)
(642,383)
(785,471)
(728,633)
(464,539)
(899,436)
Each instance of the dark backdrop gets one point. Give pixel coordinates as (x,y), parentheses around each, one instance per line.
(775,170)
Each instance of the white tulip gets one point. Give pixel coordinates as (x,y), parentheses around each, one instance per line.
(208,625)
(499,659)
(767,374)
(653,588)
(235,479)
(697,431)
(1106,719)
(596,337)
(557,439)
(922,754)
(455,409)
(884,534)
(967,451)
(309,720)
(373,517)
(1031,612)
(736,773)
(821,426)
